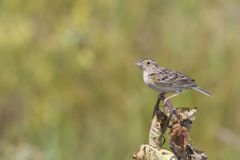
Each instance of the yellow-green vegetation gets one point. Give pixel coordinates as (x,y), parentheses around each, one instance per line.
(69,87)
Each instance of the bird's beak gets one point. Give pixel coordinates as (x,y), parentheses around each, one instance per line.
(138,63)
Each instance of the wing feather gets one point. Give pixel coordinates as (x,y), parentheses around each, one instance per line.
(168,78)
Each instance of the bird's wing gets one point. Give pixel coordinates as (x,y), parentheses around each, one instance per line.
(168,78)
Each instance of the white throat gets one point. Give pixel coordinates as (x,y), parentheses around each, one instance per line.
(146,78)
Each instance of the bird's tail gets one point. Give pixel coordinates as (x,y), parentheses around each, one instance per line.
(202,91)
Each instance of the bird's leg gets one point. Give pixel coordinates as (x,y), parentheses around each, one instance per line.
(169,105)
(174,95)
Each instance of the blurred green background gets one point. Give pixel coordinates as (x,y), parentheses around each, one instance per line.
(70,88)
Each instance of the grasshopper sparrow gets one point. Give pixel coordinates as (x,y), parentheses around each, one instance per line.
(164,80)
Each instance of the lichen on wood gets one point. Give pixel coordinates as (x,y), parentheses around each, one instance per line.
(153,151)
(179,122)
(147,152)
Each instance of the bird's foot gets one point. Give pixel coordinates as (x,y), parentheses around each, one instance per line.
(161,96)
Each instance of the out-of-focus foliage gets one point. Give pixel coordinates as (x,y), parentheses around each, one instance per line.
(70,89)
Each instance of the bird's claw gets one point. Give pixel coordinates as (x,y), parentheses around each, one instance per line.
(161,96)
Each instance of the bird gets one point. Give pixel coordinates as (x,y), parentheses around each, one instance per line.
(164,80)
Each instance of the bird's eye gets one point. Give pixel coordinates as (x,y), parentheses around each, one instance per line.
(148,63)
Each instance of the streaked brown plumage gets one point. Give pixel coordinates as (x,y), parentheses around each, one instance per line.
(165,80)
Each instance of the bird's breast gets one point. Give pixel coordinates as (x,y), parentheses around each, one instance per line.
(148,81)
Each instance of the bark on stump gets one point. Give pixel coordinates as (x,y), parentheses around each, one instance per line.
(179,125)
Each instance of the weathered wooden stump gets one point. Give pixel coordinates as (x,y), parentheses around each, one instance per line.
(179,125)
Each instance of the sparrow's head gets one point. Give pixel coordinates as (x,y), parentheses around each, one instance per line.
(146,64)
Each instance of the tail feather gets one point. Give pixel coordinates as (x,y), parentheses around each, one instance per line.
(202,91)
